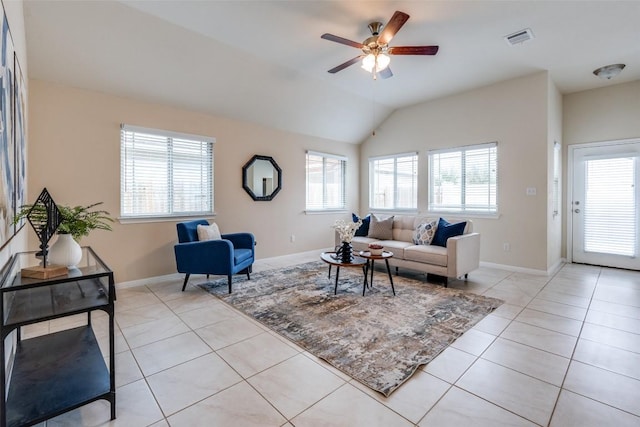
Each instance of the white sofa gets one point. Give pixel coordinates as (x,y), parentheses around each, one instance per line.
(461,256)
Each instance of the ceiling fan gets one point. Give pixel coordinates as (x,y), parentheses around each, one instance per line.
(375,49)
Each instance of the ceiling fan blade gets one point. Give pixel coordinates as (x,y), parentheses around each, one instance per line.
(341,40)
(413,50)
(385,73)
(345,64)
(395,23)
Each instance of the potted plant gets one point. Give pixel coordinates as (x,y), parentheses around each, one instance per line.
(77,222)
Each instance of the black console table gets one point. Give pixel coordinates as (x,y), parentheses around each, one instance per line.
(57,372)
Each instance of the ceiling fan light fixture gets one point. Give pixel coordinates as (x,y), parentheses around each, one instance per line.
(382,61)
(379,62)
(368,62)
(609,71)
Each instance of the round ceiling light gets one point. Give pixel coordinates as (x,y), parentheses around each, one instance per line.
(609,71)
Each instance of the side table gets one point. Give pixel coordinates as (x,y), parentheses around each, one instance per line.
(328,257)
(370,264)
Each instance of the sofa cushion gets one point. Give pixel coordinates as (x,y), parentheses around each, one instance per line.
(240,255)
(446,230)
(381,228)
(361,243)
(423,234)
(403,227)
(364,228)
(435,255)
(395,246)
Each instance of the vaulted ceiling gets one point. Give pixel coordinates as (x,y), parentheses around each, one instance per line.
(264,61)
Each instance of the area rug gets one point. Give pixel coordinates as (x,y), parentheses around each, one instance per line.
(380,340)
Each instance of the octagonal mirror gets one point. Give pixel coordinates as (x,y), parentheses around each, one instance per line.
(261,178)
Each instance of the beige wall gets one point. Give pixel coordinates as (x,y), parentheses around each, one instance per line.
(75,153)
(605,114)
(514,113)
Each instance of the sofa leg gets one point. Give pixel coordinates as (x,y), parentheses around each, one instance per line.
(229,278)
(446,281)
(186,279)
(466,276)
(248,276)
(397,271)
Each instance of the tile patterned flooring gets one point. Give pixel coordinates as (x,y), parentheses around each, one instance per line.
(562,351)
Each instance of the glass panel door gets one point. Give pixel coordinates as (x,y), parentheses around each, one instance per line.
(605,205)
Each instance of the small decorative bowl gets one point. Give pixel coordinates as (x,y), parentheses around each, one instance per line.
(376,250)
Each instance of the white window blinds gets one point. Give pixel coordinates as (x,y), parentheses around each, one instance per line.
(393,182)
(464,179)
(556,178)
(610,206)
(165,173)
(325,181)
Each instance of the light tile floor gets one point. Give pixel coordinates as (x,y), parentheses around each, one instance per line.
(562,351)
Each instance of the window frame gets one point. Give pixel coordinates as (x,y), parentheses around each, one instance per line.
(489,210)
(395,207)
(557,171)
(324,208)
(169,136)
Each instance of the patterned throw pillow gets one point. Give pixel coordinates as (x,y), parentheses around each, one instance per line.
(208,232)
(381,228)
(423,235)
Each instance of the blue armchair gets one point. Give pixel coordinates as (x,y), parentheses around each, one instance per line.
(233,254)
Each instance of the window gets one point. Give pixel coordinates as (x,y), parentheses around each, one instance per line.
(165,174)
(393,182)
(556,178)
(610,207)
(464,179)
(325,181)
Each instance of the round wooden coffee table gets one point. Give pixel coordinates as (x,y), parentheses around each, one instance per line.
(371,259)
(328,257)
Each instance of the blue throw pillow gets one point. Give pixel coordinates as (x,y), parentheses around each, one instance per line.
(446,230)
(364,228)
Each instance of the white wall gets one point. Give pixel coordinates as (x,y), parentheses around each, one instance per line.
(75,153)
(604,114)
(515,114)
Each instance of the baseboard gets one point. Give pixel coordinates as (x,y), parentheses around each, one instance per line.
(149,280)
(515,269)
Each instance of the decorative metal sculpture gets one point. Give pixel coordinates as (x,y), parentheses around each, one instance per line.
(45,218)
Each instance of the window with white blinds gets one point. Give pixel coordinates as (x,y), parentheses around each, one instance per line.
(165,174)
(464,179)
(556,178)
(610,206)
(393,182)
(325,182)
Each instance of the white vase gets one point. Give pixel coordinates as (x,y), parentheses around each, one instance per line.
(65,251)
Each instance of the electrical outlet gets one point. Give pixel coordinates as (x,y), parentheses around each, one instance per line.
(531,191)
(292,238)
(506,247)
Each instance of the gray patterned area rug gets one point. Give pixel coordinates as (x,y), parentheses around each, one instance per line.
(380,340)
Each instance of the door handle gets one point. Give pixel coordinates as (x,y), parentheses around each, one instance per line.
(576,210)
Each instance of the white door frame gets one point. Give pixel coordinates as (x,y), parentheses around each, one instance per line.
(568,202)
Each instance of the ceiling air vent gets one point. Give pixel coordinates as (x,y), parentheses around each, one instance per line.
(519,37)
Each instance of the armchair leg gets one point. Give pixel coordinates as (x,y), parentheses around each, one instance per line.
(186,279)
(248,276)
(229,281)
